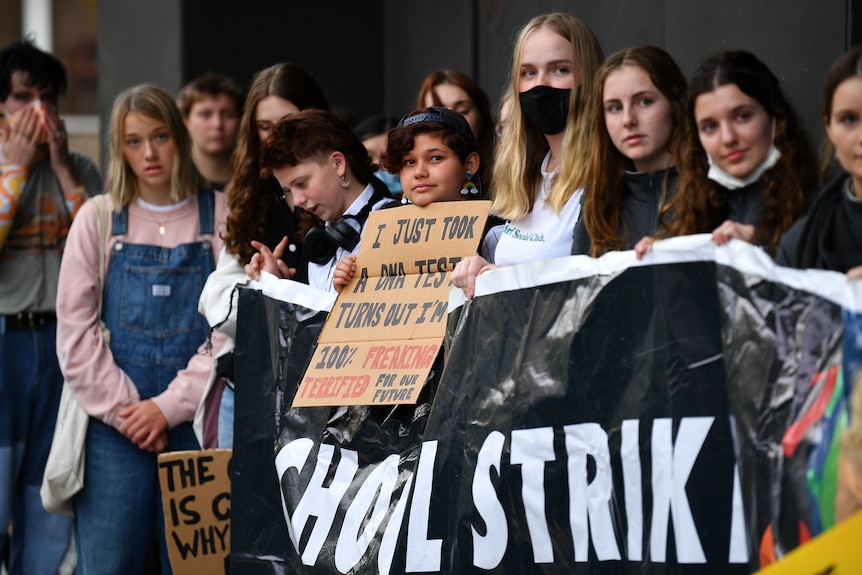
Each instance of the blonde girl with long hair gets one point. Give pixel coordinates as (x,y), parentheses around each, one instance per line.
(159,235)
(541,158)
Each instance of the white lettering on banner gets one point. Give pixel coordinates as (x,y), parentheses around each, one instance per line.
(292,456)
(377,490)
(423,554)
(322,502)
(631,457)
(531,449)
(589,506)
(393,528)
(489,549)
(738,544)
(671,466)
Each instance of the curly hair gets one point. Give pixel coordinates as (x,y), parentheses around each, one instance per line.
(255,200)
(40,68)
(700,205)
(400,141)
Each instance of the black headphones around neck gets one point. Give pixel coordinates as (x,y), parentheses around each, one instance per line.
(322,242)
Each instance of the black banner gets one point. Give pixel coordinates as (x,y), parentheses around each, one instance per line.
(607,417)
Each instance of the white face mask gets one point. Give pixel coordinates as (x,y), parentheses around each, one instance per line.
(730,181)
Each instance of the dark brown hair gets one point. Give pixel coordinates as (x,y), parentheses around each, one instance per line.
(400,141)
(209,85)
(40,69)
(314,134)
(700,205)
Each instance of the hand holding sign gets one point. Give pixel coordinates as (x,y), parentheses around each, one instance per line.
(465,274)
(344,272)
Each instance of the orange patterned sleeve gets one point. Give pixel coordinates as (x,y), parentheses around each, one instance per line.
(12,178)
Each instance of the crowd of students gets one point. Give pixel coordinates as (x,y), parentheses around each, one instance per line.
(204,195)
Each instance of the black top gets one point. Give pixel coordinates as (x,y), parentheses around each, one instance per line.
(280,222)
(745,205)
(640,209)
(830,237)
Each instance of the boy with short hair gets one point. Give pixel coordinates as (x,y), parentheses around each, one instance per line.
(211,106)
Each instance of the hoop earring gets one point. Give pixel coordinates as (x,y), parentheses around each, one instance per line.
(345,182)
(469,186)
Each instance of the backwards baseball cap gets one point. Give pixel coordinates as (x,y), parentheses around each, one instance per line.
(440,115)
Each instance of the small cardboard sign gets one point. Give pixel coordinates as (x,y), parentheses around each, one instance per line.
(384,331)
(196,499)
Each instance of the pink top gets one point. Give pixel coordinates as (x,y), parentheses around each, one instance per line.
(100,386)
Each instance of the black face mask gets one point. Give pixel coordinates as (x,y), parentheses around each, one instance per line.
(547,108)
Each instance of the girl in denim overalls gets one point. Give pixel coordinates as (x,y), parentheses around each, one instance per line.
(142,387)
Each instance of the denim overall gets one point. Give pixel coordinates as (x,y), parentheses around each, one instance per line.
(150,306)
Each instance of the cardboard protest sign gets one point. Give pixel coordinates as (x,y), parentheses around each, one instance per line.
(196,497)
(387,326)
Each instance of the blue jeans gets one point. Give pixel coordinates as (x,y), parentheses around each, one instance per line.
(225,419)
(30,385)
(117,511)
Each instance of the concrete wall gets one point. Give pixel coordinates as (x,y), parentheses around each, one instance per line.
(138,42)
(340,43)
(371,56)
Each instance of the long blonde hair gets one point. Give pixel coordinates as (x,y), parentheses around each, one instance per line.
(517,167)
(156,104)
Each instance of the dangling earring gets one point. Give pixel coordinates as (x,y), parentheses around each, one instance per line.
(345,182)
(469,187)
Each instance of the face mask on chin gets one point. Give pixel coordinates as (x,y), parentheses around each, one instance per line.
(547,108)
(731,182)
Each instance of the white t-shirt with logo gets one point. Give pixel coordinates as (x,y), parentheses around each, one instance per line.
(542,234)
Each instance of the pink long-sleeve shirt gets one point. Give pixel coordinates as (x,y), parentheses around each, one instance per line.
(100,386)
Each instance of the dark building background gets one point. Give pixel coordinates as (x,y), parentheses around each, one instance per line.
(371,55)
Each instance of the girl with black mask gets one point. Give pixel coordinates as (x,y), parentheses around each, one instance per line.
(540,162)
